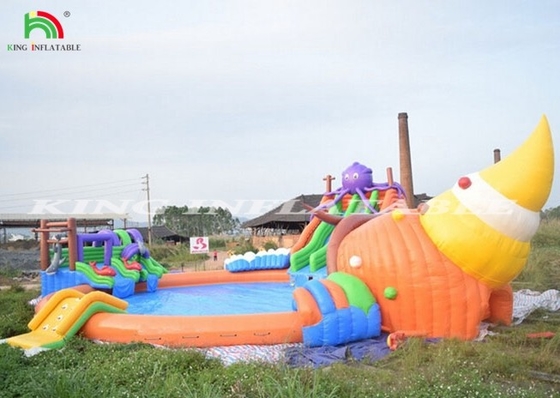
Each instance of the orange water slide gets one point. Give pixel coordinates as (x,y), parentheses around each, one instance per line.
(306,235)
(308,231)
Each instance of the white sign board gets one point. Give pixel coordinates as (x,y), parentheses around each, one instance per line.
(199,244)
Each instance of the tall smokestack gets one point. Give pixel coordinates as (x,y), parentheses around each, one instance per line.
(497,156)
(405,160)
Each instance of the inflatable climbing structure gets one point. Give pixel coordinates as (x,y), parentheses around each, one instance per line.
(107,260)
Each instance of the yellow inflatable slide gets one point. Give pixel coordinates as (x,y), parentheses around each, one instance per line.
(63,316)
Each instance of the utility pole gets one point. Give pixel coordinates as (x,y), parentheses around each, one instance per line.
(147,189)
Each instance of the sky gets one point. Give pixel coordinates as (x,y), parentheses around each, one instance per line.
(245,104)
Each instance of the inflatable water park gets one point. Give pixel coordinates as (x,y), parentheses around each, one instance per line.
(365,264)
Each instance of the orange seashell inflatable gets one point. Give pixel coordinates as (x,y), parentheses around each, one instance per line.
(443,269)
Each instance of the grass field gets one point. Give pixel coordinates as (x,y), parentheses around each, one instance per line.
(508,363)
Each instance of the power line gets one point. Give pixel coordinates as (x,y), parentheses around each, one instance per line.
(105,191)
(79,188)
(68,197)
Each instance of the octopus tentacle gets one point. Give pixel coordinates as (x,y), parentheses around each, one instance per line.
(365,200)
(385,186)
(338,198)
(331,219)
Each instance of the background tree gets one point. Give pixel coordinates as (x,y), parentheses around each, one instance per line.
(552,213)
(197,221)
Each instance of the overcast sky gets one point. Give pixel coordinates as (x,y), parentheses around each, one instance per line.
(240,102)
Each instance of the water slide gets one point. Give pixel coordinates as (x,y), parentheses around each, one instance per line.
(313,252)
(63,316)
(93,278)
(152,266)
(105,267)
(320,232)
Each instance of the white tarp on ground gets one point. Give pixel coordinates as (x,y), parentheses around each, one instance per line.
(526,301)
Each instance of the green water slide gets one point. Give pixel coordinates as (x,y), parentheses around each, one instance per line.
(153,267)
(300,259)
(314,253)
(92,276)
(97,254)
(123,271)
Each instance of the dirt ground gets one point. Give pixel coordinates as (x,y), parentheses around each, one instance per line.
(20,260)
(211,264)
(206,265)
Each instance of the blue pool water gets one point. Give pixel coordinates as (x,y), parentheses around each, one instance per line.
(216,299)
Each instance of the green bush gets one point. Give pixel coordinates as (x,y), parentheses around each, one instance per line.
(243,246)
(270,245)
(218,243)
(542,269)
(175,256)
(548,234)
